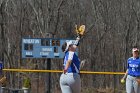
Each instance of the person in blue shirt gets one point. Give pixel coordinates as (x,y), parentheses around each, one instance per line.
(133,72)
(1,81)
(70,81)
(1,68)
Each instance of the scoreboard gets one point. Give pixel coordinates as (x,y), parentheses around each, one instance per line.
(43,47)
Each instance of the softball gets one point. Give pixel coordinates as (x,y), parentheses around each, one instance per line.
(122,81)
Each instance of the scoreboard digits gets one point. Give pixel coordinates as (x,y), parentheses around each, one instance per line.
(42,48)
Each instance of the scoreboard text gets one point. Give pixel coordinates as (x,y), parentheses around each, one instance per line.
(42,47)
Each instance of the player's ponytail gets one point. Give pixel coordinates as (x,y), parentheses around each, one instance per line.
(64,47)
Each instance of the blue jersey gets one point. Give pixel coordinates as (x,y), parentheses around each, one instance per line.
(75,64)
(1,67)
(134,66)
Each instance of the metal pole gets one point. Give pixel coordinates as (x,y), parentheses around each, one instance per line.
(49,75)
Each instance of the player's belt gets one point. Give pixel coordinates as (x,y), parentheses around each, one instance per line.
(134,75)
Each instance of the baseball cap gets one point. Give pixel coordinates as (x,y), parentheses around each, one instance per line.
(135,49)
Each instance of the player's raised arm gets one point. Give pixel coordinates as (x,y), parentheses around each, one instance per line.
(80,32)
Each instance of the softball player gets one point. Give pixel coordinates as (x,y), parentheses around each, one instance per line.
(70,81)
(1,81)
(133,72)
